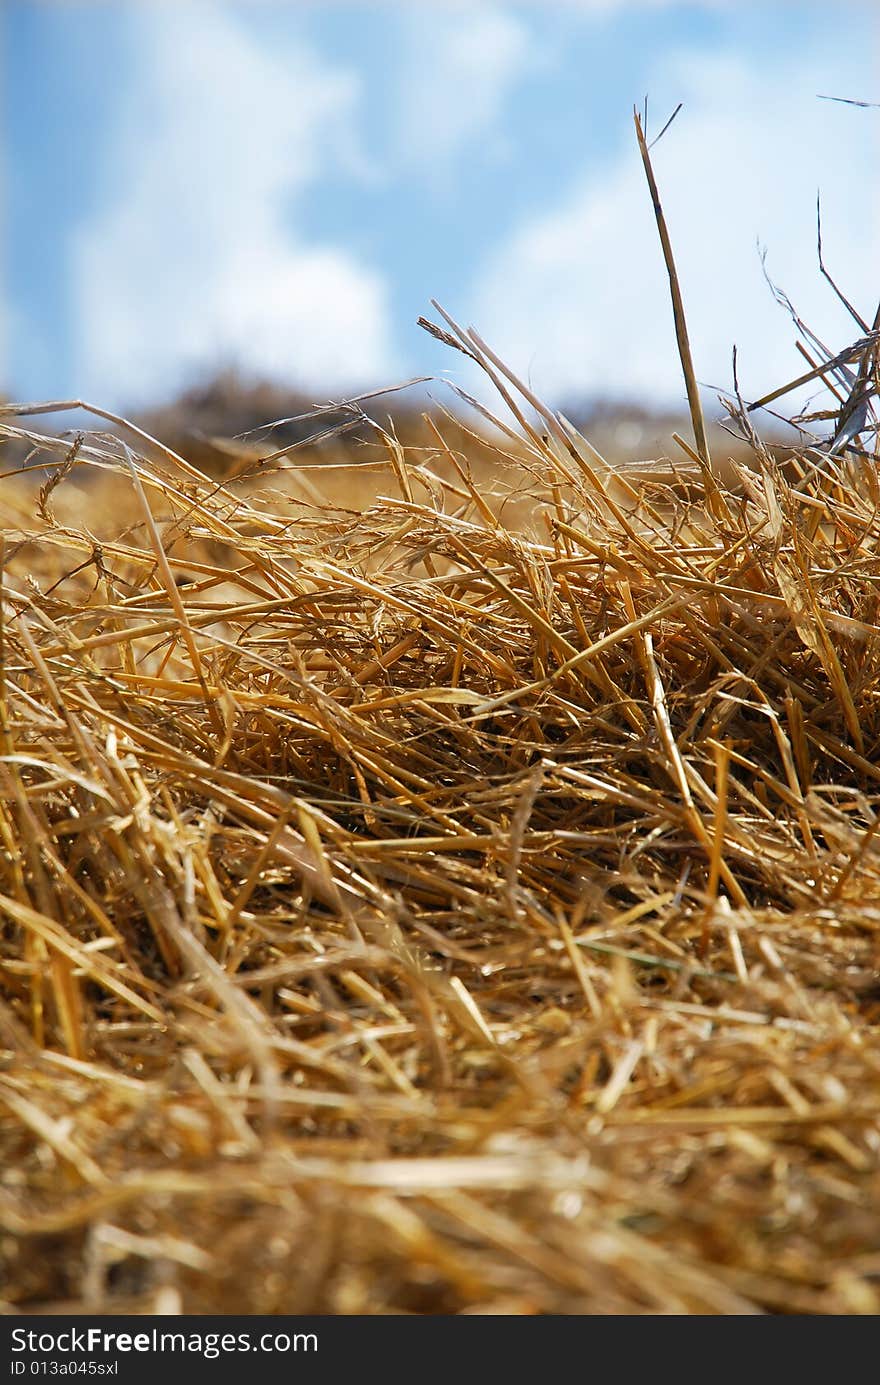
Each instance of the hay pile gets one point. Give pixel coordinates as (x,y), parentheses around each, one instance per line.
(405,912)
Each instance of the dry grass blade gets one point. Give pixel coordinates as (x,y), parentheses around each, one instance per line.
(713,495)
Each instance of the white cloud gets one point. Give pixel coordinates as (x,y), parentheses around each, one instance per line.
(610,9)
(578,296)
(195,262)
(464,62)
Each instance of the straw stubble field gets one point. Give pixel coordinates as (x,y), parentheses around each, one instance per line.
(436,906)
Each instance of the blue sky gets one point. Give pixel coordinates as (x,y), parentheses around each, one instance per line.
(283,187)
